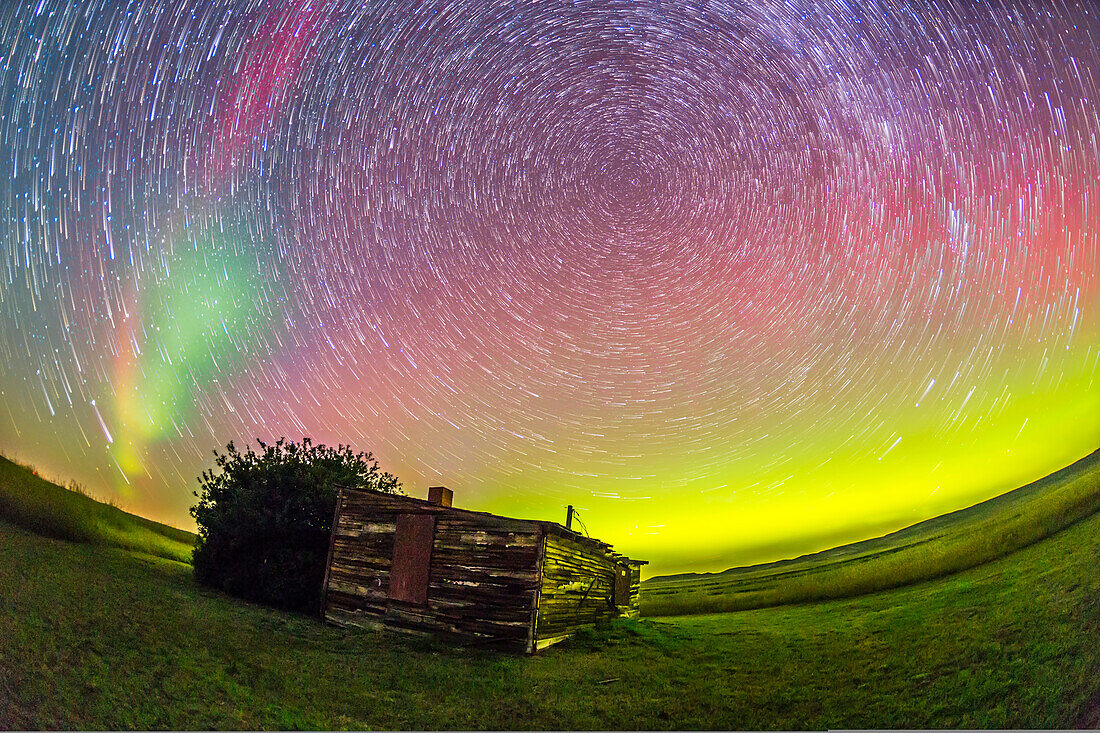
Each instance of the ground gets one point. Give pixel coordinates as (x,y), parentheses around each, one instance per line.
(94,637)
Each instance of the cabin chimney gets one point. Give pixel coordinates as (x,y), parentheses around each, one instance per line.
(440,495)
(569,517)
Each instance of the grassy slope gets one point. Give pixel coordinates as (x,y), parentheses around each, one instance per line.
(48,509)
(930,549)
(92,637)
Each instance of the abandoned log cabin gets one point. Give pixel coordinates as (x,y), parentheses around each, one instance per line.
(471,577)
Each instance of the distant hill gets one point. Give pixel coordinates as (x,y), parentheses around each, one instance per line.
(32,502)
(928,549)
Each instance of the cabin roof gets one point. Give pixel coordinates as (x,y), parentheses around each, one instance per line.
(545,525)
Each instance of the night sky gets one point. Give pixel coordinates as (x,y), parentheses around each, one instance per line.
(738,280)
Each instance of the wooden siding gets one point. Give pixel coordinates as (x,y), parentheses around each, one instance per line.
(632,610)
(483,577)
(578,587)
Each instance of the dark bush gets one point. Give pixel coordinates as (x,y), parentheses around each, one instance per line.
(265,518)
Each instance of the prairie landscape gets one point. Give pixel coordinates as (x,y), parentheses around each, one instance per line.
(41,506)
(923,551)
(739,290)
(96,636)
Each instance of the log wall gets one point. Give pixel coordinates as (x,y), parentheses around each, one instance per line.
(483,578)
(578,587)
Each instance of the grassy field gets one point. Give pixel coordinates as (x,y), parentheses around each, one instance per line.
(931,549)
(94,637)
(41,506)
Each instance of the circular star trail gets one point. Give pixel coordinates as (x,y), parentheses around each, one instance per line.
(739,280)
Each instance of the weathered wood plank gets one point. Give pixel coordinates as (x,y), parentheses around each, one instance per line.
(491,578)
(482,579)
(577,589)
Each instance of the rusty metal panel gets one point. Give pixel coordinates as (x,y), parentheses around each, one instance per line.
(412,558)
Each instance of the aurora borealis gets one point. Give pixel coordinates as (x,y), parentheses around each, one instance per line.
(738,280)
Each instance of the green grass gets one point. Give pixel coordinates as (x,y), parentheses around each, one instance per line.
(931,549)
(41,506)
(94,637)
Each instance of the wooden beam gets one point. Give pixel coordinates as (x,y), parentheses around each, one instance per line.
(331,546)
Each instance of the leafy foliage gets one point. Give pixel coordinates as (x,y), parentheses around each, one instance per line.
(265,518)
